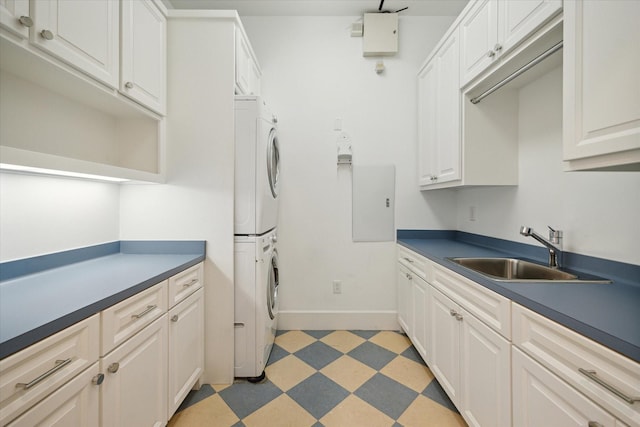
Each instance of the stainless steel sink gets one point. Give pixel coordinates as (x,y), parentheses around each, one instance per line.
(517,270)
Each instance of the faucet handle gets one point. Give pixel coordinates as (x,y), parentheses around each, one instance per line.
(555,236)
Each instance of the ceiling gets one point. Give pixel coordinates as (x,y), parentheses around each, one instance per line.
(323,7)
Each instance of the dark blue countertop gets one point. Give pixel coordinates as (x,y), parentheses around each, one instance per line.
(42,295)
(607,313)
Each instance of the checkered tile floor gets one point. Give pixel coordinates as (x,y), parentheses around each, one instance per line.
(329,378)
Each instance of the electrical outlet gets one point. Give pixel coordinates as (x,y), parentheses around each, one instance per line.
(337,287)
(472,213)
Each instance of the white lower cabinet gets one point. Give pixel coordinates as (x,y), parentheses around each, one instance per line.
(186,348)
(77,403)
(471,363)
(485,374)
(445,344)
(32,374)
(420,319)
(502,364)
(149,361)
(587,377)
(542,399)
(403,284)
(134,392)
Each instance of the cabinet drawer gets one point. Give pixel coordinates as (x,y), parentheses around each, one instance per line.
(31,374)
(415,263)
(185,283)
(123,320)
(581,362)
(542,399)
(486,305)
(77,403)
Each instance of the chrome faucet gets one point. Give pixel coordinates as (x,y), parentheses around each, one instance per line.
(554,244)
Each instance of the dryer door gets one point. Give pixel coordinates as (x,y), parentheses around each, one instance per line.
(273,162)
(272,288)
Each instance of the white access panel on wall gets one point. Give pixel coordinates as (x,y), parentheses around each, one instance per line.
(373,203)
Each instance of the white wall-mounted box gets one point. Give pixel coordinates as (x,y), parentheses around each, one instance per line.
(380,34)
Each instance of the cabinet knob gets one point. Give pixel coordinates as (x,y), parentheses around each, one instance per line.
(458,317)
(46,34)
(453,312)
(113,368)
(128,85)
(491,54)
(26,21)
(98,379)
(497,47)
(174,318)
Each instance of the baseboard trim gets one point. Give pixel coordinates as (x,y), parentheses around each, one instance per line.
(338,320)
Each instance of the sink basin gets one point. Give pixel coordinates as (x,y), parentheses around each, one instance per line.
(517,270)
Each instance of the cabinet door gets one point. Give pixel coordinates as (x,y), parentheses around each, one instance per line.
(419,330)
(485,370)
(243,60)
(77,403)
(448,126)
(135,384)
(186,348)
(478,38)
(542,399)
(427,122)
(82,33)
(601,80)
(10,13)
(254,79)
(143,55)
(518,19)
(445,343)
(403,283)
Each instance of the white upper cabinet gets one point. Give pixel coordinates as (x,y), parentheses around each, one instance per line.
(85,34)
(492,28)
(439,116)
(247,70)
(14,16)
(143,54)
(601,85)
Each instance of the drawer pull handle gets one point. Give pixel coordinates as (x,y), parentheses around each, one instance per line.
(149,309)
(409,260)
(592,375)
(191,283)
(594,424)
(59,365)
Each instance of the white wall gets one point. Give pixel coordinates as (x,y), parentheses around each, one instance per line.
(313,73)
(598,211)
(40,215)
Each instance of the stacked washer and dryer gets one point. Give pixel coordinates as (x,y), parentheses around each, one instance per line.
(257,167)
